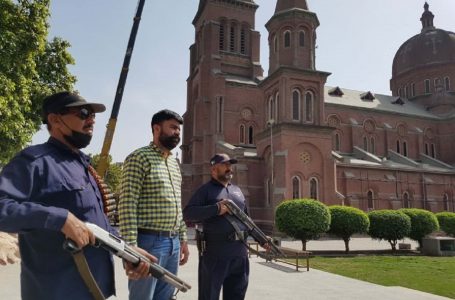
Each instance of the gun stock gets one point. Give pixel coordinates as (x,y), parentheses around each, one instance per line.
(121,249)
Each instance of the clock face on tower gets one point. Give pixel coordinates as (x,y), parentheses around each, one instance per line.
(246,113)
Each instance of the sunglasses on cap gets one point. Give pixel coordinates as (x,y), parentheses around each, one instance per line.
(82,113)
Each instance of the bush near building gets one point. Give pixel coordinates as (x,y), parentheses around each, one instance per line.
(302,219)
(423,222)
(389,225)
(346,221)
(447,222)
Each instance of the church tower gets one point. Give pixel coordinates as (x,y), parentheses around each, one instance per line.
(298,143)
(222,87)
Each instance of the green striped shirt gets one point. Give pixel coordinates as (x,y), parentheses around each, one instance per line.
(150,194)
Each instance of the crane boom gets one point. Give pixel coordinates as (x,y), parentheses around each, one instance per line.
(110,128)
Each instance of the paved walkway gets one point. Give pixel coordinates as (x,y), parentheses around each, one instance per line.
(268,280)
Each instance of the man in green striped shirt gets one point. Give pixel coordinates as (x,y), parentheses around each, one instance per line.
(150,205)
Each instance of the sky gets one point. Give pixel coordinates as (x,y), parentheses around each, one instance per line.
(356,42)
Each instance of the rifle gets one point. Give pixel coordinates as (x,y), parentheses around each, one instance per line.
(253,229)
(121,249)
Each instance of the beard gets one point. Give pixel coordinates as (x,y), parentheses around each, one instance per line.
(169,142)
(226,177)
(78,139)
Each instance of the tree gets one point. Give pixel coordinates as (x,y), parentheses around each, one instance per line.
(423,222)
(389,225)
(346,220)
(302,219)
(447,222)
(30,68)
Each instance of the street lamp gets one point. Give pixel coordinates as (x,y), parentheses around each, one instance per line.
(270,124)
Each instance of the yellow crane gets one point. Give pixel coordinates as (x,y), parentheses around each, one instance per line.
(110,128)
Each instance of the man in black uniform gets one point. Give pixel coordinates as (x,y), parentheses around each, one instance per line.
(224,259)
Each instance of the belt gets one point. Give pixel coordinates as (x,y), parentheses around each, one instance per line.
(225,237)
(169,234)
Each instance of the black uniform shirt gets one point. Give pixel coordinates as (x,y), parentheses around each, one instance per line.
(203,208)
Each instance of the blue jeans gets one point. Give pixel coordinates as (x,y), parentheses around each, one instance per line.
(167,251)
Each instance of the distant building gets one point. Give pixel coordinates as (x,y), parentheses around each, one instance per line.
(296,137)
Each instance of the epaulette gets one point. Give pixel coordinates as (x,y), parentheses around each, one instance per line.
(36,151)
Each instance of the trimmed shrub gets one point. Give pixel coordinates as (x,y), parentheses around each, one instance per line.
(345,221)
(447,222)
(423,222)
(389,225)
(302,219)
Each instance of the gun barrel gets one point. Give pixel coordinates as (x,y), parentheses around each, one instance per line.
(161,273)
(121,249)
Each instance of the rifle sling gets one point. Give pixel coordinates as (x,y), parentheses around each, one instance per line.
(87,277)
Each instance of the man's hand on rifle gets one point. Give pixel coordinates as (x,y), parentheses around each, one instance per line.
(142,270)
(76,230)
(222,207)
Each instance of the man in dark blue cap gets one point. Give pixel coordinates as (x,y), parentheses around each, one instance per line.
(46,194)
(223,260)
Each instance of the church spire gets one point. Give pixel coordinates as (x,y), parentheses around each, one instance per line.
(427,18)
(282,5)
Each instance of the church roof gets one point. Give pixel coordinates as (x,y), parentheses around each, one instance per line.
(375,102)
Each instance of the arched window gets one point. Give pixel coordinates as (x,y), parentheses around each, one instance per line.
(370,200)
(296,105)
(314,188)
(287,39)
(365,143)
(302,38)
(372,145)
(250,135)
(405,148)
(222,36)
(275,44)
(309,107)
(427,151)
(337,142)
(446,202)
(427,86)
(398,146)
(433,151)
(296,187)
(447,83)
(232,37)
(243,41)
(271,108)
(413,89)
(219,114)
(242,134)
(406,200)
(276,105)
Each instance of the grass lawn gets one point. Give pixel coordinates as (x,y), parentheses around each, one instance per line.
(435,275)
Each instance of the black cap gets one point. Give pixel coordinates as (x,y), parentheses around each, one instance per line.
(222,158)
(164,115)
(60,101)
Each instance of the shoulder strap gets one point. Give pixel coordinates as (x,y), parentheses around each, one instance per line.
(84,270)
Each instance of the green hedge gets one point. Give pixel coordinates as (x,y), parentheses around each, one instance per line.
(346,221)
(302,219)
(423,222)
(389,225)
(447,222)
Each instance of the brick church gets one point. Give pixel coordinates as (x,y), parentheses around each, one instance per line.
(295,137)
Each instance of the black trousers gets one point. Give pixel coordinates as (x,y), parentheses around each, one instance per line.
(231,273)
